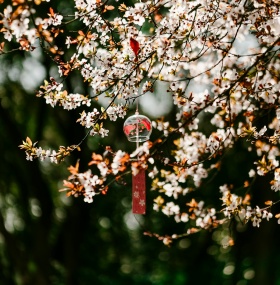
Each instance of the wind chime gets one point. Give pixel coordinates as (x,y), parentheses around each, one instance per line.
(138,128)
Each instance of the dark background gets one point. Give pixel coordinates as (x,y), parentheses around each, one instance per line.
(47,238)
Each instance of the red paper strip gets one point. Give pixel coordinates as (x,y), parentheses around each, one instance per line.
(139,192)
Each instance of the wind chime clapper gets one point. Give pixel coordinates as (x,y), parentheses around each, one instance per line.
(138,128)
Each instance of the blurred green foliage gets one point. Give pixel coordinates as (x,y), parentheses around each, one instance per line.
(47,238)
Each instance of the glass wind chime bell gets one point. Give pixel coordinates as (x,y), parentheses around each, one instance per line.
(138,128)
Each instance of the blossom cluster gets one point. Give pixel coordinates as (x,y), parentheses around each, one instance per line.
(237,206)
(53,94)
(33,152)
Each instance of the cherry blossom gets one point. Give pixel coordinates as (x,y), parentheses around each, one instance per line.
(217,60)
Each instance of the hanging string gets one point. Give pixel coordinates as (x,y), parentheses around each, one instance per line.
(137,111)
(137,105)
(137,126)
